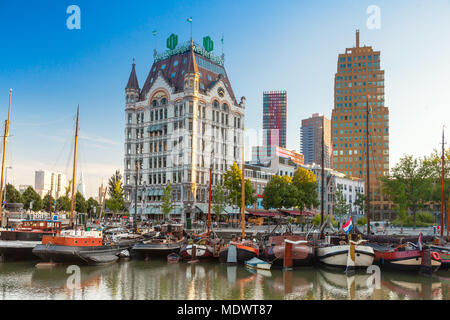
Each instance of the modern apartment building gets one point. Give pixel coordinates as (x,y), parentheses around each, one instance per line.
(274,118)
(311,140)
(359,105)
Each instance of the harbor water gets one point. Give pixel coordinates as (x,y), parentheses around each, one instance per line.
(158,280)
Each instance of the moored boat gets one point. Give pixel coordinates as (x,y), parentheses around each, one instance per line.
(78,246)
(169,240)
(245,250)
(302,250)
(405,257)
(173,258)
(256,263)
(337,255)
(18,243)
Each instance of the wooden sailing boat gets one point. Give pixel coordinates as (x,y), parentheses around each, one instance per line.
(351,253)
(78,245)
(241,249)
(204,246)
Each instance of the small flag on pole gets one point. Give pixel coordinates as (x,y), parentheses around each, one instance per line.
(419,242)
(189,20)
(154,32)
(348,226)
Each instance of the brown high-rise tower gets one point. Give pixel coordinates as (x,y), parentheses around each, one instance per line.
(360,81)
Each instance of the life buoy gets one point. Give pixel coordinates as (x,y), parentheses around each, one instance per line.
(436,256)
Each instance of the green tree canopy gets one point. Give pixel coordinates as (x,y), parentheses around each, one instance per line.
(80,203)
(30,195)
(63,204)
(280,193)
(233,185)
(218,201)
(167,202)
(13,195)
(116,201)
(408,186)
(305,182)
(341,208)
(91,204)
(48,203)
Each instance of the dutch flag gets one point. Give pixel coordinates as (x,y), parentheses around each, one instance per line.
(348,226)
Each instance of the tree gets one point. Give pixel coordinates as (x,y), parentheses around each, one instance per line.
(63,204)
(305,182)
(280,193)
(80,203)
(30,195)
(218,200)
(167,203)
(116,201)
(91,204)
(409,186)
(360,202)
(13,195)
(48,203)
(341,208)
(233,185)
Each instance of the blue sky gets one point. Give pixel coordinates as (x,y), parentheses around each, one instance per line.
(269,45)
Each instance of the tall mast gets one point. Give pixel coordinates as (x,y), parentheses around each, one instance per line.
(72,204)
(210,188)
(323,177)
(5,138)
(442,186)
(243,185)
(135,196)
(367,165)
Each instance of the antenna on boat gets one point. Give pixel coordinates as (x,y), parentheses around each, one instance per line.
(210,183)
(323,178)
(5,138)
(243,184)
(367,166)
(442,184)
(72,204)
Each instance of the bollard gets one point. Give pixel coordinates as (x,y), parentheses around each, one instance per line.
(287,259)
(426,268)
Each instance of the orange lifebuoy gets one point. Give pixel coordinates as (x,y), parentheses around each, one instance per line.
(436,256)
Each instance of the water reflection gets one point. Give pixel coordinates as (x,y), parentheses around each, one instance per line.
(207,280)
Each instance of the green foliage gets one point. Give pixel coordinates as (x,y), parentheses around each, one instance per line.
(91,204)
(361,221)
(13,195)
(63,204)
(409,186)
(316,220)
(48,203)
(341,208)
(424,219)
(80,203)
(233,185)
(167,203)
(360,201)
(30,195)
(218,201)
(116,201)
(280,193)
(305,182)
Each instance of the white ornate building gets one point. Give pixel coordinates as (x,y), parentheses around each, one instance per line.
(185,118)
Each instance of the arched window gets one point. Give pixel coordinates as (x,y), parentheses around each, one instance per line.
(225,107)
(163,101)
(154,103)
(216,104)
